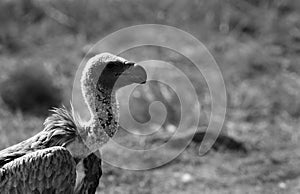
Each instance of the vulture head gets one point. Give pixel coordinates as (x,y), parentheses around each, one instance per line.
(102,76)
(109,73)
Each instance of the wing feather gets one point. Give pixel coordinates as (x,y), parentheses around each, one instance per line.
(51,170)
(92,173)
(60,129)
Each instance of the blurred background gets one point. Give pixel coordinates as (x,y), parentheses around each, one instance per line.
(256,45)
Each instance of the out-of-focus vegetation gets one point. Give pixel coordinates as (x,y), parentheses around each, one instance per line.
(256,44)
(31,89)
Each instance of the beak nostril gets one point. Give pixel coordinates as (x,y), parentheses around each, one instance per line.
(130,63)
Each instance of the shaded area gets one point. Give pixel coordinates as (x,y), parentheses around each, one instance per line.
(30,89)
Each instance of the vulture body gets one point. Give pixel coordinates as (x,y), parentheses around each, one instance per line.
(46,162)
(35,172)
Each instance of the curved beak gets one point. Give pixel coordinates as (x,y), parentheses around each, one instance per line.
(136,74)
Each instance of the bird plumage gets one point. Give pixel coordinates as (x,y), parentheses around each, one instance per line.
(51,155)
(59,130)
(92,170)
(52,168)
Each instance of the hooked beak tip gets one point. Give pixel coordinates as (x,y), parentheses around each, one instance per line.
(139,74)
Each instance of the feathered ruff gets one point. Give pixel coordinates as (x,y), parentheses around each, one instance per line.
(61,126)
(60,129)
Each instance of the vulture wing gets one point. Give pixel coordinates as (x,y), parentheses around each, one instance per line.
(92,173)
(50,170)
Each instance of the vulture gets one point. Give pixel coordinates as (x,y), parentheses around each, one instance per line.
(48,162)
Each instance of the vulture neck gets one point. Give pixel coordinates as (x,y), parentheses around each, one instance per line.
(104,118)
(102,104)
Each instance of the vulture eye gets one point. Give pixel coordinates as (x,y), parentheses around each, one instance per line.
(110,65)
(118,74)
